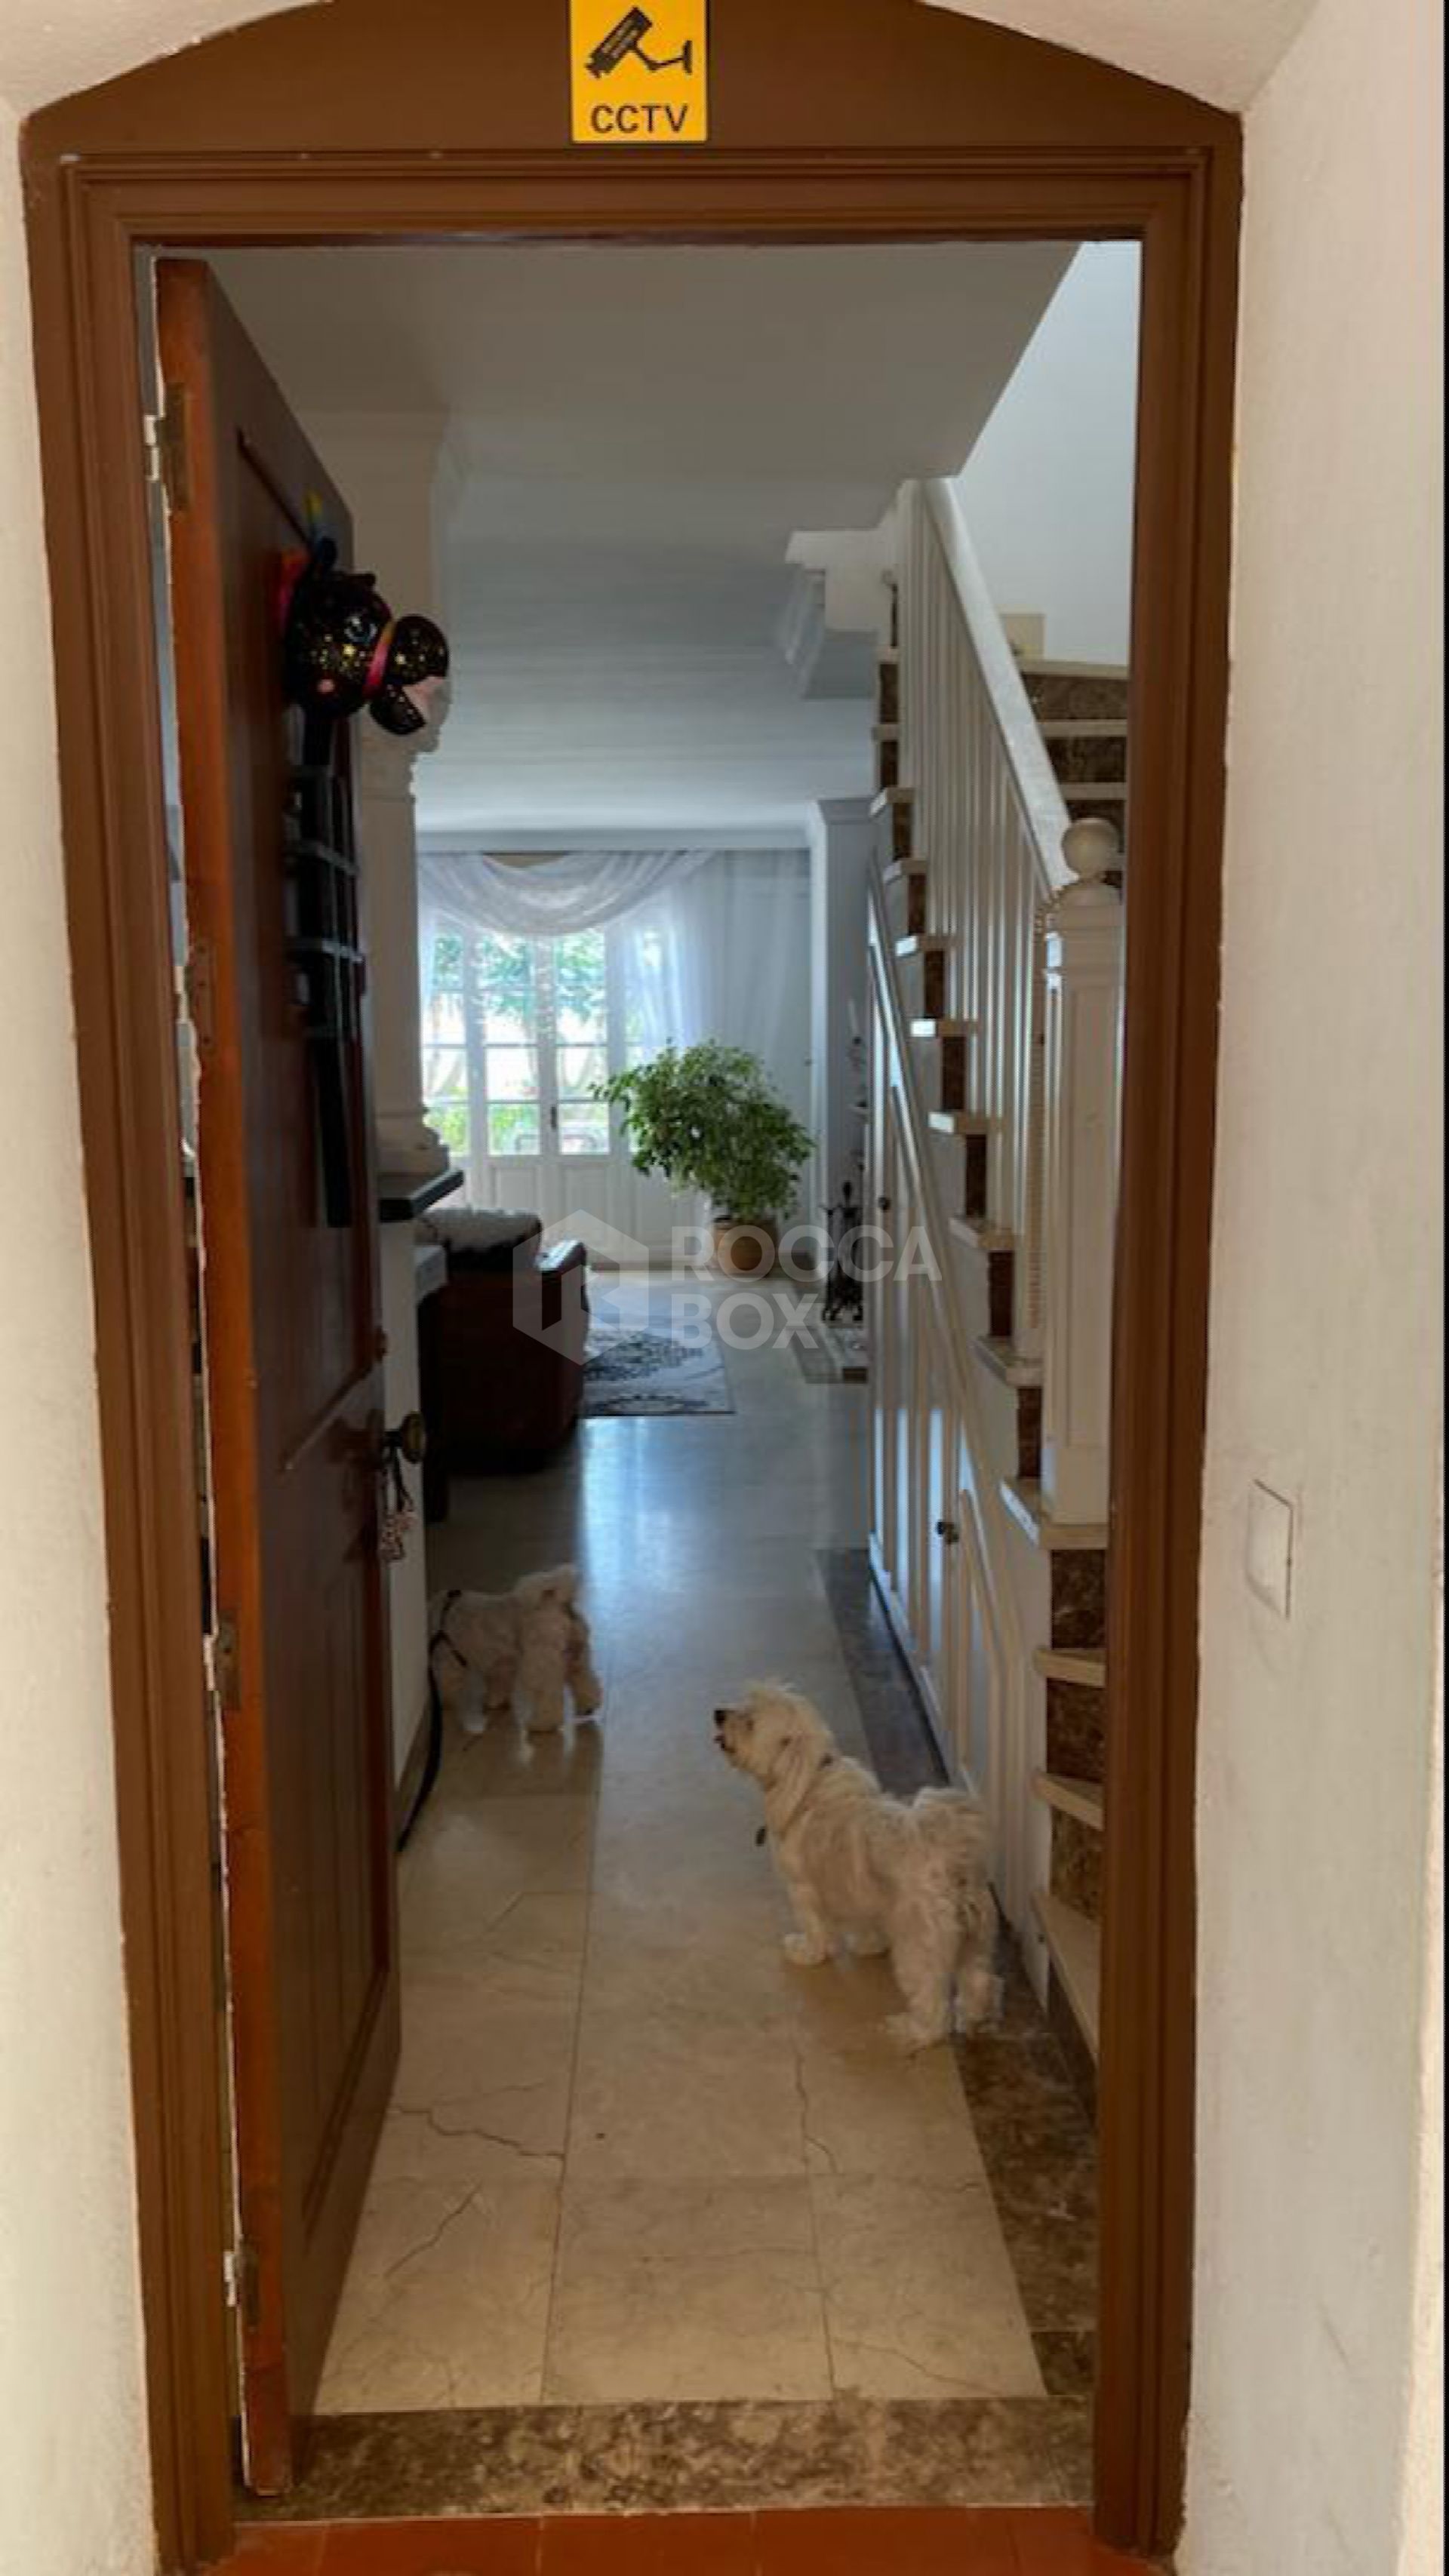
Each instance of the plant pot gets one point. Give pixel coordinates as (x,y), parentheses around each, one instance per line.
(744,1251)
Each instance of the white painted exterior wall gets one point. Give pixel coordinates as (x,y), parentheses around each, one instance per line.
(73,2472)
(1047,490)
(1325,1375)
(1316,1771)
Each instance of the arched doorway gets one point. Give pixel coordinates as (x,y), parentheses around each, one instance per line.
(886,122)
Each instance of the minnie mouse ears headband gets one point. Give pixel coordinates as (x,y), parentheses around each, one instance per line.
(343,650)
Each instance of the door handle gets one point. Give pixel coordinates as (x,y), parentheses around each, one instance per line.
(407,1440)
(949,1531)
(883,1207)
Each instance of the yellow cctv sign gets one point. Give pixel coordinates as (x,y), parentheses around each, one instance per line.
(640,75)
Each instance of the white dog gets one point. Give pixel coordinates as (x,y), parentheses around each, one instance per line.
(869,1869)
(492,1651)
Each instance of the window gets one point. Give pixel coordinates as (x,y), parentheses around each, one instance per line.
(579,972)
(445,1046)
(518,1031)
(502,1013)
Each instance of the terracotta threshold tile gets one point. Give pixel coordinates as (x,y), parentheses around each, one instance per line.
(434,2548)
(969,2542)
(974,2541)
(707,2544)
(1061,2544)
(296,2552)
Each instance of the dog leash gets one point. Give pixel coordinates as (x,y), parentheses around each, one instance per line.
(433,1760)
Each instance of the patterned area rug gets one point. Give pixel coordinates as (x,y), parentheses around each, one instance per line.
(643,1360)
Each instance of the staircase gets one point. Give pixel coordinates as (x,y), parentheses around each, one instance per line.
(1081,714)
(996,942)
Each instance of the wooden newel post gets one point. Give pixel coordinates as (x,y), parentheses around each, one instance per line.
(1084,982)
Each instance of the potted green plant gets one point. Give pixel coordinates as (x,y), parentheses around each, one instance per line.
(706,1118)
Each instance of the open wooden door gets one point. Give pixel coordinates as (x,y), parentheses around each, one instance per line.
(293,1362)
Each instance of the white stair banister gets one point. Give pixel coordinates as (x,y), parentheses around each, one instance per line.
(1084,986)
(990,817)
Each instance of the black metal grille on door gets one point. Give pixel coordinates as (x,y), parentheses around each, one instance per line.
(324,943)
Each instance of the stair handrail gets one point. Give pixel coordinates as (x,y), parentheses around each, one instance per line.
(1027,757)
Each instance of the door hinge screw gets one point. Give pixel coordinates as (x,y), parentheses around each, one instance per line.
(239,2276)
(168,448)
(223,1665)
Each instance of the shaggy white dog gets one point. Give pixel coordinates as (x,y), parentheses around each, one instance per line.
(524,1649)
(865,1868)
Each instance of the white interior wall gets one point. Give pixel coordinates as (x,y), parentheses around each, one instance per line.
(1047,489)
(72,2444)
(1316,1769)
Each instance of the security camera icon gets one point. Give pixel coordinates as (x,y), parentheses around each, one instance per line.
(628,38)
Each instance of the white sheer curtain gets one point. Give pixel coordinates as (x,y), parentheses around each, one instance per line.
(725,953)
(543,898)
(711,943)
(702,943)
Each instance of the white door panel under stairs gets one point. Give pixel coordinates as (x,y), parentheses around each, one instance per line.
(927,1539)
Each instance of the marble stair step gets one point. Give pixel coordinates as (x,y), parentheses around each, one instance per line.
(1108,794)
(1083,1799)
(1094,751)
(1077,1664)
(1075,692)
(1023,1499)
(888,688)
(1013,1367)
(1074,1944)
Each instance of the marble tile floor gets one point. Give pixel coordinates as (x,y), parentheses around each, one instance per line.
(634,2161)
(731,2456)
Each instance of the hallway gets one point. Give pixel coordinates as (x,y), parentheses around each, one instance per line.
(671,2219)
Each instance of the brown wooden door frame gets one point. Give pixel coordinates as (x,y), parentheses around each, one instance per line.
(930,127)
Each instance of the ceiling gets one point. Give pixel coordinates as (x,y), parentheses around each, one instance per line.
(632,436)
(1221,50)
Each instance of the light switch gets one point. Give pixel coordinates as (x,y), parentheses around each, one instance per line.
(1269,1550)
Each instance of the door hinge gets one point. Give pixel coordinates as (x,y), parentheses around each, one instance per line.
(200,989)
(223,1665)
(168,447)
(241,2276)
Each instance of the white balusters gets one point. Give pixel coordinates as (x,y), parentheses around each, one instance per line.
(988,822)
(1084,976)
(1034,962)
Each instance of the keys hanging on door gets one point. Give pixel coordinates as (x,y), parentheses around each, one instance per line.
(398,1516)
